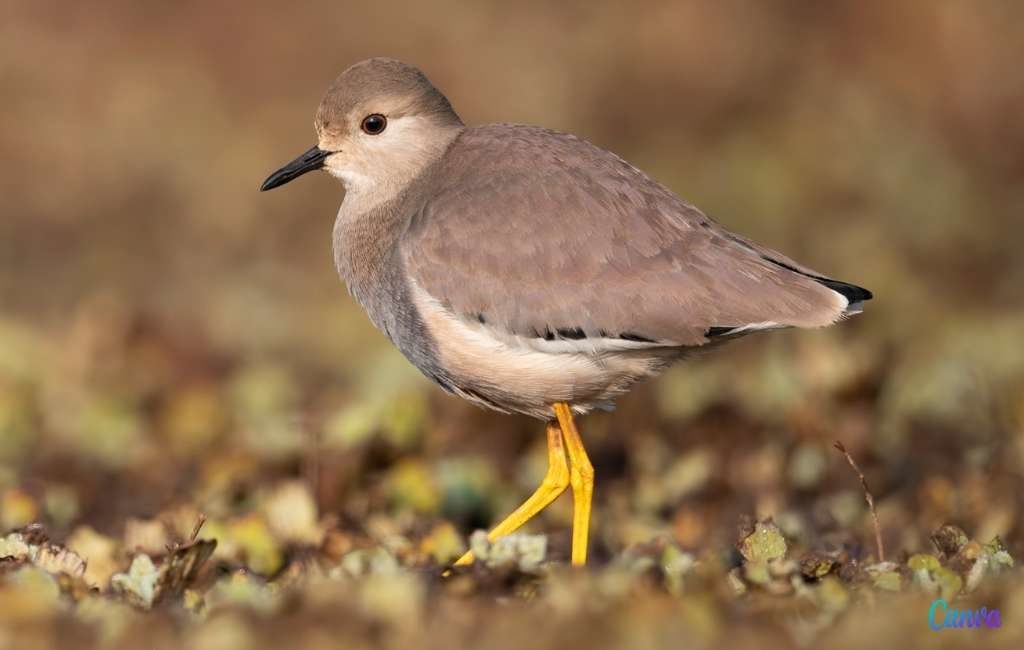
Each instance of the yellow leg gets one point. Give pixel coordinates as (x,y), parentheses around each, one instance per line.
(555,482)
(581,478)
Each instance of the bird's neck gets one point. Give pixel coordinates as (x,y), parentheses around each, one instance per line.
(377,211)
(366,239)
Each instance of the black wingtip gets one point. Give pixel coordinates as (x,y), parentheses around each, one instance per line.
(851,292)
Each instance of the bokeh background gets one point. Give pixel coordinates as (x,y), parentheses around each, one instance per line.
(174,342)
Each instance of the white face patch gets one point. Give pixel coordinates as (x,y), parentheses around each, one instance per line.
(352,180)
(374,168)
(401,134)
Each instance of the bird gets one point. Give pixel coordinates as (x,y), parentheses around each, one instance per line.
(530,271)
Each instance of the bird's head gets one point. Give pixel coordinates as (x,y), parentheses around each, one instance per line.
(379,125)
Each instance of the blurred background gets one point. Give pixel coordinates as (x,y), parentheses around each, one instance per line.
(172,340)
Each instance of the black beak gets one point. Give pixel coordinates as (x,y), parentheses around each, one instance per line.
(307,162)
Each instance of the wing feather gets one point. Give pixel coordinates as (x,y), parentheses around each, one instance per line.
(533,232)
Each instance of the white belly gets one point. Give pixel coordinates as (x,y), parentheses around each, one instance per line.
(527,375)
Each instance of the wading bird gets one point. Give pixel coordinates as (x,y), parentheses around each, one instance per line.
(530,271)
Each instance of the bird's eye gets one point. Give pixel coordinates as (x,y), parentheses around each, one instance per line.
(374,124)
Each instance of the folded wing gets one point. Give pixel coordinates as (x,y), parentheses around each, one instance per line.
(540,234)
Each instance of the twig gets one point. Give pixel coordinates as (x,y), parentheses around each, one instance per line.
(867,497)
(311,463)
(200,520)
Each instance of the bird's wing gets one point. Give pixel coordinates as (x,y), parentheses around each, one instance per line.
(541,234)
